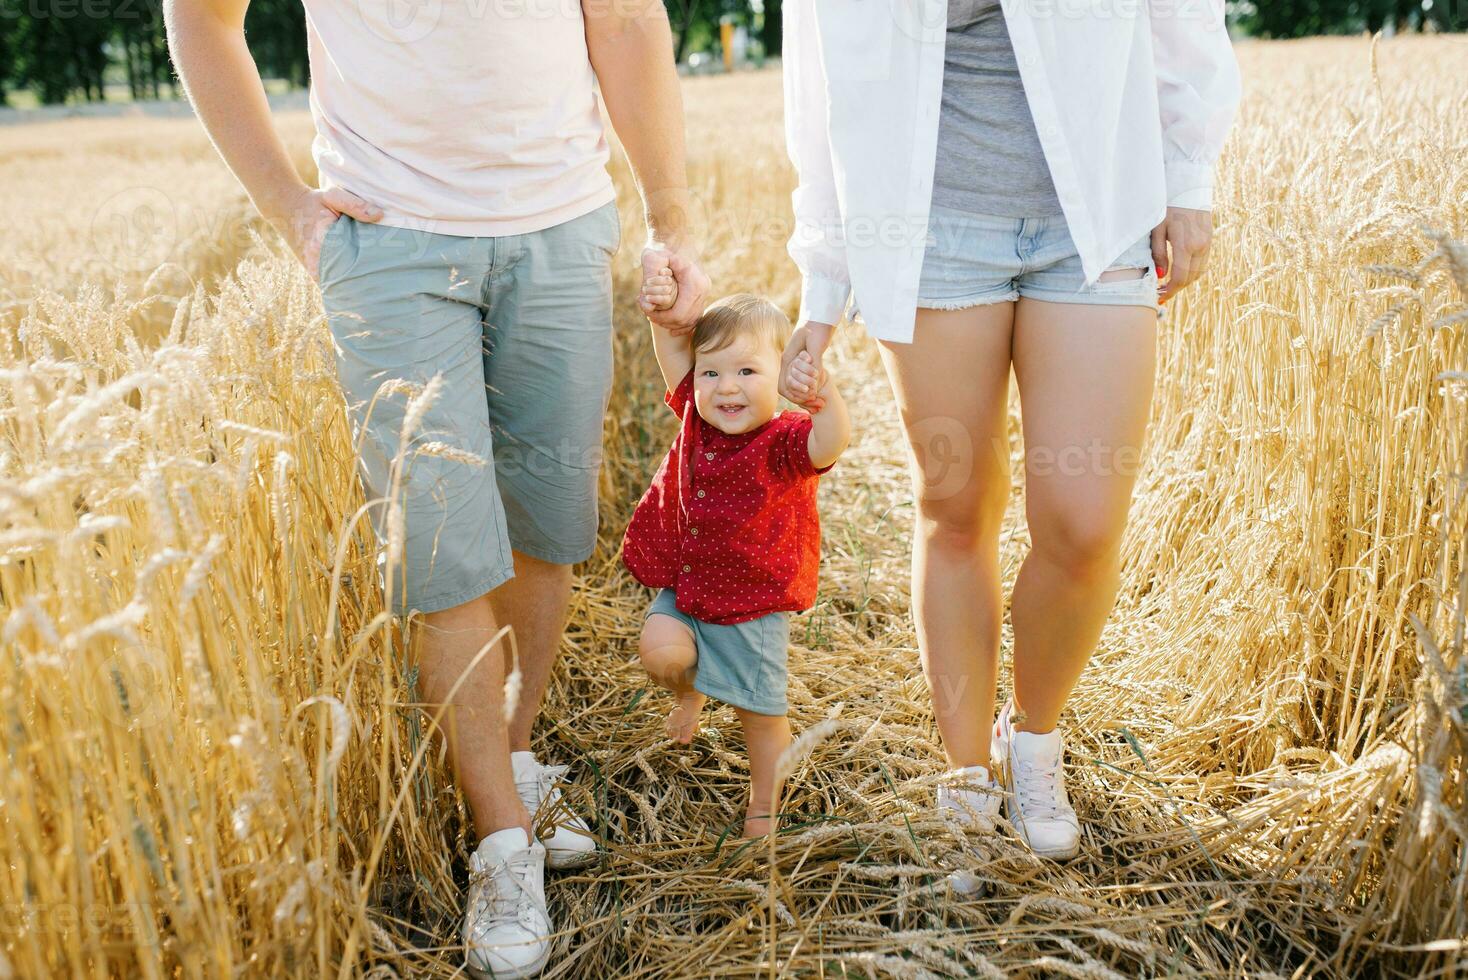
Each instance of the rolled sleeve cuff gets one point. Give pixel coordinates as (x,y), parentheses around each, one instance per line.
(823,300)
(1189,185)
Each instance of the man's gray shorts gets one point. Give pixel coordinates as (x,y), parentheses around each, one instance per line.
(520,330)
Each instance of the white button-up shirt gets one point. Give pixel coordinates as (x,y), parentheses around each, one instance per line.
(1132,101)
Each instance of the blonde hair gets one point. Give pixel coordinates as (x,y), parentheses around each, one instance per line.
(742,314)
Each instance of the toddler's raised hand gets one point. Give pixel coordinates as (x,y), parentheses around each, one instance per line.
(803,376)
(659,292)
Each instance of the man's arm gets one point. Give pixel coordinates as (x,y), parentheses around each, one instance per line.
(206,39)
(631,50)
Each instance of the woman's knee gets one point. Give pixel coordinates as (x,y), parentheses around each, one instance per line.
(1085,544)
(964,522)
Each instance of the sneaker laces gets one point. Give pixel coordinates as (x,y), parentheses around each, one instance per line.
(1038,784)
(504,892)
(540,786)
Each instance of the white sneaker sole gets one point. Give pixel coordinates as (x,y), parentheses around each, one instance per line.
(518,973)
(559,859)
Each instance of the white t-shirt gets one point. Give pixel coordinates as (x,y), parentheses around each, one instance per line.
(461,117)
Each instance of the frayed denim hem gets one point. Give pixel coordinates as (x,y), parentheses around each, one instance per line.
(966,304)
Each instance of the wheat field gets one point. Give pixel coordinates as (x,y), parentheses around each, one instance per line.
(215,764)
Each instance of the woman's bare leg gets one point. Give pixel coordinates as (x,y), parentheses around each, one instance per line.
(1085,377)
(952,388)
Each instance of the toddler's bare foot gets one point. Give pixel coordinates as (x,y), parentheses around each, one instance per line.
(758,826)
(683,719)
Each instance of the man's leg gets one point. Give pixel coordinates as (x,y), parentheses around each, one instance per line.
(548,373)
(447,643)
(548,368)
(534,604)
(403,307)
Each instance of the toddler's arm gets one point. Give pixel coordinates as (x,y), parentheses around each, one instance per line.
(830,428)
(674,351)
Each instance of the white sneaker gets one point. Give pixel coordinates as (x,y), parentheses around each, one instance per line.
(506,927)
(1034,779)
(974,796)
(569,843)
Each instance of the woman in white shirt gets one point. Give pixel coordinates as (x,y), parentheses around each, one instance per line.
(992,189)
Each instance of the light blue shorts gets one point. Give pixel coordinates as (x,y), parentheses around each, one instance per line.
(744,664)
(520,329)
(974,259)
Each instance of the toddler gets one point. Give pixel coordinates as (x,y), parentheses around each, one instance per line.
(728,531)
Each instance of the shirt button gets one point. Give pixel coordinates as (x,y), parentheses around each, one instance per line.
(708,455)
(688,568)
(693,530)
(700,493)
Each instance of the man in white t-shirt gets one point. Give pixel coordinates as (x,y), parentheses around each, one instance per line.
(463,234)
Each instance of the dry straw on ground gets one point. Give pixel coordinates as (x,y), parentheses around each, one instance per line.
(215,765)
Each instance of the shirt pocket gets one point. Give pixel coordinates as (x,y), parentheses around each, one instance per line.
(857,36)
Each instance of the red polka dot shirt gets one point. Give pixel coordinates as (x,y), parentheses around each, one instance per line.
(730,521)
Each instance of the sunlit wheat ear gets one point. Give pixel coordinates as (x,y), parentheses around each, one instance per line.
(280,496)
(513,676)
(443,450)
(418,406)
(806,743)
(341,727)
(198,574)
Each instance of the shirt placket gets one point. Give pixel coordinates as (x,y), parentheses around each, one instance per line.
(692,509)
(686,495)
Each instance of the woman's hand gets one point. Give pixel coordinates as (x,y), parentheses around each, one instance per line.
(802,377)
(1190,233)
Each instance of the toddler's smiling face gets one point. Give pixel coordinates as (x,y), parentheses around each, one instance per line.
(735,388)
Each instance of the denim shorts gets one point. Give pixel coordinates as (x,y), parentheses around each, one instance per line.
(974,259)
(507,456)
(743,664)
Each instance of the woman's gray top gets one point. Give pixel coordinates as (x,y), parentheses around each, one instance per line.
(989,156)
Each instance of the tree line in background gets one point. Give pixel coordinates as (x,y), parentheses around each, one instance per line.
(73,50)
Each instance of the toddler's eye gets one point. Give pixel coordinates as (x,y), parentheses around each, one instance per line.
(710,374)
(746,370)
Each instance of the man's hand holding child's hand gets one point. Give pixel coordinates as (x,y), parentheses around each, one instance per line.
(674,309)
